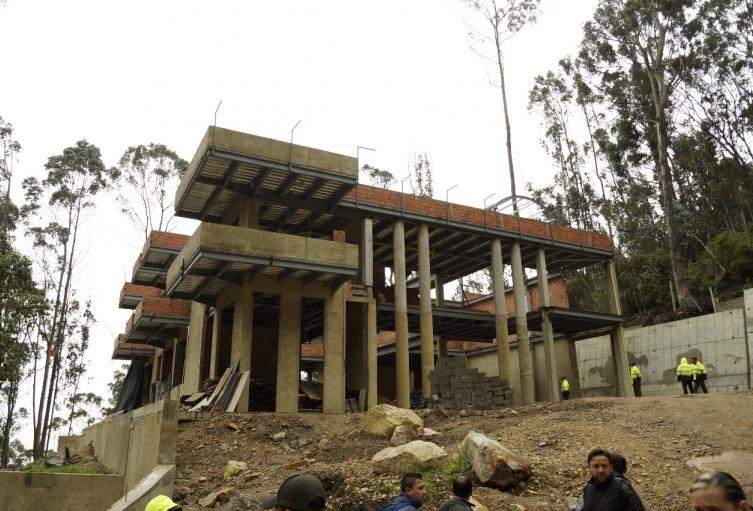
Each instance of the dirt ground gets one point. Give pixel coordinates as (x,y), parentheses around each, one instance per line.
(656,435)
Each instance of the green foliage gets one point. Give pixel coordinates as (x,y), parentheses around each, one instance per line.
(378,177)
(424,186)
(727,264)
(39,467)
(439,480)
(114,387)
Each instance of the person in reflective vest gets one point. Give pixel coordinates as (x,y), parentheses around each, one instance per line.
(699,375)
(685,375)
(635,377)
(565,388)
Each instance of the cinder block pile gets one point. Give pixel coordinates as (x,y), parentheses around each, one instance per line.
(455,385)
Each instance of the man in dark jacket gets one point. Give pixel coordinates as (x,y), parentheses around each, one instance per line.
(462,488)
(412,494)
(605,492)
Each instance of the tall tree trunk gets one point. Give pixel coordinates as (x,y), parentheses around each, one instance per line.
(12,394)
(508,142)
(606,214)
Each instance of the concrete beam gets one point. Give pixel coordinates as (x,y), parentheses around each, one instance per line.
(521,327)
(500,311)
(424,293)
(288,353)
(334,352)
(402,362)
(617,335)
(542,282)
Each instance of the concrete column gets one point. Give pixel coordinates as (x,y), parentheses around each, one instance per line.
(334,352)
(214,358)
(194,348)
(371,353)
(172,364)
(249,212)
(402,361)
(439,290)
(288,353)
(367,253)
(500,311)
(552,376)
(617,335)
(424,294)
(527,389)
(240,347)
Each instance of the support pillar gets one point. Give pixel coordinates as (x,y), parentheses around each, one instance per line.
(424,294)
(552,377)
(288,353)
(240,348)
(439,290)
(172,365)
(527,389)
(214,356)
(402,361)
(371,354)
(249,212)
(334,352)
(194,348)
(367,253)
(500,311)
(617,335)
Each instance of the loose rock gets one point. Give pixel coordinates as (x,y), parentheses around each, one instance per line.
(234,468)
(413,455)
(383,419)
(220,496)
(493,464)
(404,434)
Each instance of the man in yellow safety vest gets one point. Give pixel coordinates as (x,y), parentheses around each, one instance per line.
(685,375)
(635,377)
(565,388)
(699,375)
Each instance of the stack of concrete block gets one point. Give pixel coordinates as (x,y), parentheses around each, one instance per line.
(455,385)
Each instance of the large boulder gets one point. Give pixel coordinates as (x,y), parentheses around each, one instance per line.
(413,455)
(383,419)
(493,464)
(404,434)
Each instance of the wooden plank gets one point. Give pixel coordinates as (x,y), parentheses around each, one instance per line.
(194,398)
(201,404)
(362,400)
(233,403)
(223,381)
(228,391)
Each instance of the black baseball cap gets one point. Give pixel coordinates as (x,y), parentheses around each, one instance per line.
(299,492)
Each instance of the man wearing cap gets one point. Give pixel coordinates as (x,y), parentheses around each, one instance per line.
(299,492)
(412,494)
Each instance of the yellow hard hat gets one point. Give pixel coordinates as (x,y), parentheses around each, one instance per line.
(162,503)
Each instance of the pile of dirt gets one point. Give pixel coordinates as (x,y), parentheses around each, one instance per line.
(656,435)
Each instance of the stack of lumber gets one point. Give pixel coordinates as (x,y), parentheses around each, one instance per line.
(226,394)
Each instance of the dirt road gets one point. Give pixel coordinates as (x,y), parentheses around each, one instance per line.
(656,435)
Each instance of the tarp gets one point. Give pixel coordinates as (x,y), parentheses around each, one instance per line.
(130,393)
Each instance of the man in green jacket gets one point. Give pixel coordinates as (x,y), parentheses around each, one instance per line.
(685,376)
(699,375)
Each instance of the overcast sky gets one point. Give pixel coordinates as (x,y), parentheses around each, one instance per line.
(397,76)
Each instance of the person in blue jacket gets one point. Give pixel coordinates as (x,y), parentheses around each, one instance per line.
(412,494)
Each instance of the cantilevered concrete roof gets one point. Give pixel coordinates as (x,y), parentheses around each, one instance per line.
(156,321)
(131,294)
(159,251)
(130,351)
(219,255)
(298,186)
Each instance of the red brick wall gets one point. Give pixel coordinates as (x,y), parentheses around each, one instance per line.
(166,240)
(557,297)
(139,290)
(470,215)
(164,307)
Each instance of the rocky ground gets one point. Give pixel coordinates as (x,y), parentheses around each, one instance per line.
(657,436)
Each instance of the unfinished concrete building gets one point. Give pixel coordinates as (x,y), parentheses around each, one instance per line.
(287,273)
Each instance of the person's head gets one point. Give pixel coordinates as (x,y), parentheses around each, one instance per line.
(694,359)
(633,363)
(412,484)
(162,503)
(564,378)
(299,492)
(600,465)
(462,486)
(718,491)
(619,463)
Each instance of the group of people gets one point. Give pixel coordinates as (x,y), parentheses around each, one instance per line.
(607,490)
(691,375)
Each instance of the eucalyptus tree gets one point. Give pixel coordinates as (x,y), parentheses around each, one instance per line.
(146,179)
(502,19)
(54,213)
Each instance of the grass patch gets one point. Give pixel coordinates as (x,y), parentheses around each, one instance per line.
(439,480)
(39,466)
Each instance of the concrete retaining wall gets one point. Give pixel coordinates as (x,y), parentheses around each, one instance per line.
(132,444)
(718,340)
(24,491)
